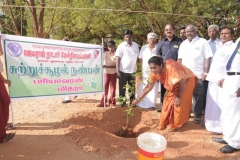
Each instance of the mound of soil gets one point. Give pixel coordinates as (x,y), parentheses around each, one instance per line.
(47,130)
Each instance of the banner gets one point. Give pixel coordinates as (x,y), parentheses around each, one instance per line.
(43,67)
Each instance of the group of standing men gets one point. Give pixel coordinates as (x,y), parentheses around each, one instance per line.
(211,61)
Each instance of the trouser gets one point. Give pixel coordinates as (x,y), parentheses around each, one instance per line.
(231,111)
(198,99)
(4,110)
(205,88)
(110,80)
(127,78)
(163,90)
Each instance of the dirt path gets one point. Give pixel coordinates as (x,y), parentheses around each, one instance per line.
(47,129)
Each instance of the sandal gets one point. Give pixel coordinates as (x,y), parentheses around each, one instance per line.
(152,108)
(197,120)
(9,126)
(215,133)
(9,123)
(172,130)
(100,105)
(9,137)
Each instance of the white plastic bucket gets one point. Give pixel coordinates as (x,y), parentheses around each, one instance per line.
(151,146)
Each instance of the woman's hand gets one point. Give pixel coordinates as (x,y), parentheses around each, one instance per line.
(177,102)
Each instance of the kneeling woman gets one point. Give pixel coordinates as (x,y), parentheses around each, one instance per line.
(179,83)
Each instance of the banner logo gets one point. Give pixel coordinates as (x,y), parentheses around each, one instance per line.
(14,49)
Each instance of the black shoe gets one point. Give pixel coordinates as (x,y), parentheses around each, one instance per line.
(123,105)
(152,108)
(66,101)
(219,140)
(159,110)
(215,133)
(228,149)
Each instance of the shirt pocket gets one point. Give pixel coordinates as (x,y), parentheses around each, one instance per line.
(126,53)
(165,50)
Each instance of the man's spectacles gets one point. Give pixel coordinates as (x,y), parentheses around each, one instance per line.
(225,33)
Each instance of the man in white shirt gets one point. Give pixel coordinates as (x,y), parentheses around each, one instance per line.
(213,41)
(126,58)
(146,52)
(231,111)
(217,71)
(195,54)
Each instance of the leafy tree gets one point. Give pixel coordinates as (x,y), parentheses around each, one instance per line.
(91,20)
(15,18)
(12,20)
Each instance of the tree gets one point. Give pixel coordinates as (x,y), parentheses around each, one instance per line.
(15,17)
(12,20)
(91,20)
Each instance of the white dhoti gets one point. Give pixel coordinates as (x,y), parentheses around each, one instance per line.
(231,112)
(213,108)
(150,99)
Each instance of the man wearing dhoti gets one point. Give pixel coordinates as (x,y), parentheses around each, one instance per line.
(146,52)
(217,71)
(231,105)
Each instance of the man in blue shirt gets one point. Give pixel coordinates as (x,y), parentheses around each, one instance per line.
(168,49)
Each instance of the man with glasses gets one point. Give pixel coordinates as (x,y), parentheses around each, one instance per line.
(126,58)
(168,49)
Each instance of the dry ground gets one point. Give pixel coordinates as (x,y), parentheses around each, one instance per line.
(48,130)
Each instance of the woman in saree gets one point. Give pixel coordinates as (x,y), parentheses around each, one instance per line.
(179,82)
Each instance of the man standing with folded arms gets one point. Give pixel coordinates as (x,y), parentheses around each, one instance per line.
(195,54)
(231,105)
(126,58)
